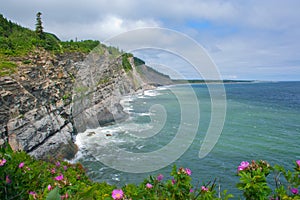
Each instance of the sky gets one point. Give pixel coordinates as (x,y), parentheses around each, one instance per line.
(249,40)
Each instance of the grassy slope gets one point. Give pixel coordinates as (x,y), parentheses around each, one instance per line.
(17,41)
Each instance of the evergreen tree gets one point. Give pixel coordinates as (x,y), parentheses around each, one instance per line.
(38,25)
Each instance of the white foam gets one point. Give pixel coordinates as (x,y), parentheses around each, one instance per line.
(151,93)
(101,139)
(144,114)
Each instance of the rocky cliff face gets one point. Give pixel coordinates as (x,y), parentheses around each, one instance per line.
(35,107)
(52,97)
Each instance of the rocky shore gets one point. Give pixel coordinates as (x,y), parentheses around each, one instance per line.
(52,97)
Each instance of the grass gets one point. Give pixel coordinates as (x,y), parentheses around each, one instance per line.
(7,68)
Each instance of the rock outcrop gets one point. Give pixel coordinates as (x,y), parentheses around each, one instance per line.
(35,105)
(51,98)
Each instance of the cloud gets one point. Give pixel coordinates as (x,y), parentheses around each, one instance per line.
(241,36)
(269,15)
(102,29)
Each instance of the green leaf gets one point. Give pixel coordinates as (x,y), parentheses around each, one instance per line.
(54,194)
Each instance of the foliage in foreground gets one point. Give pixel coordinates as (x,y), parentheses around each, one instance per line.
(254,181)
(22,177)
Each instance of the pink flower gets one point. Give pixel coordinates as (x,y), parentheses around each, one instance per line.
(160,177)
(64,196)
(203,188)
(188,171)
(191,190)
(7,180)
(49,187)
(59,178)
(294,190)
(21,165)
(53,171)
(240,168)
(243,165)
(117,194)
(65,168)
(57,164)
(149,186)
(33,194)
(298,163)
(2,162)
(173,181)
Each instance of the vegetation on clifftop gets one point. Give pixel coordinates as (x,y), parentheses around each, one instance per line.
(125,61)
(17,41)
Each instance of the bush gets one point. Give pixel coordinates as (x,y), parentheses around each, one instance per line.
(125,61)
(22,177)
(253,181)
(7,68)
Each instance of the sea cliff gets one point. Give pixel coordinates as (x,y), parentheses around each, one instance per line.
(51,89)
(52,97)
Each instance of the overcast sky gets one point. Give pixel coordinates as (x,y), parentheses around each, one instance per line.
(253,39)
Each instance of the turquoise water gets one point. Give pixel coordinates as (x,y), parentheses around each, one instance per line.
(262,122)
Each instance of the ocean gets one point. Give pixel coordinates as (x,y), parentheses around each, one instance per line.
(262,122)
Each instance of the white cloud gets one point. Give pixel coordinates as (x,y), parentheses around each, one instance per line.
(241,36)
(102,29)
(269,14)
(112,25)
(179,10)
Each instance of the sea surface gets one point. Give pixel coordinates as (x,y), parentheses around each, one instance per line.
(262,123)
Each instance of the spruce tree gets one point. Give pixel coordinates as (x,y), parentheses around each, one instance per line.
(38,25)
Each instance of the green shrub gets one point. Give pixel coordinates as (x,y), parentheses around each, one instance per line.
(26,62)
(22,177)
(253,181)
(7,68)
(125,61)
(138,61)
(84,46)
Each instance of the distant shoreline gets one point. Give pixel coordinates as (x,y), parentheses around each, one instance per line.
(182,81)
(228,81)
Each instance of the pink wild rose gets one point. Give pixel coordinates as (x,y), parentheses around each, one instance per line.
(173,181)
(21,165)
(117,194)
(203,188)
(49,187)
(294,190)
(59,178)
(243,165)
(298,163)
(2,162)
(188,171)
(149,185)
(53,171)
(160,177)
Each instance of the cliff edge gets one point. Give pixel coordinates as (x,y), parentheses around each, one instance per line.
(52,89)
(46,102)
